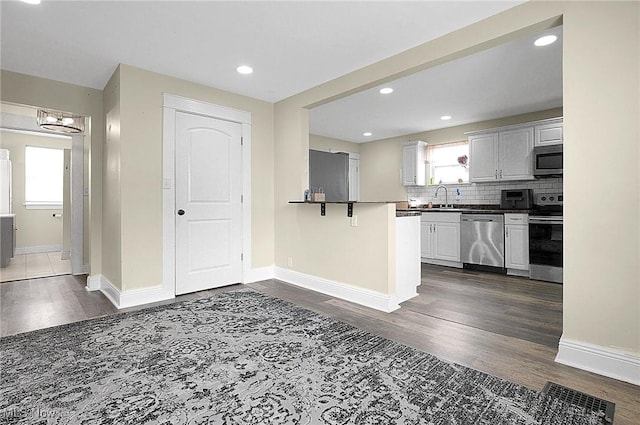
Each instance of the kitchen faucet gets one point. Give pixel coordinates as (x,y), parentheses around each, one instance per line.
(446,194)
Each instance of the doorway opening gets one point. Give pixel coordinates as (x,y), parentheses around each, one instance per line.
(43,198)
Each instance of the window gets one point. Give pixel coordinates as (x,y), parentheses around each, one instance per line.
(448,162)
(43,177)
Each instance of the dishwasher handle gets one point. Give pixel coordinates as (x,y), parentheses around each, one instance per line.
(481,219)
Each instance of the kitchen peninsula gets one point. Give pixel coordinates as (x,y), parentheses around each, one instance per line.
(375,252)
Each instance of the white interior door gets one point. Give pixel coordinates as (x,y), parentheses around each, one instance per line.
(208,203)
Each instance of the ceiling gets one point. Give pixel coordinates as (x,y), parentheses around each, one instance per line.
(291,45)
(510,79)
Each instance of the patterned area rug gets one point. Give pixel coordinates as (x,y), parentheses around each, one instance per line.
(245,358)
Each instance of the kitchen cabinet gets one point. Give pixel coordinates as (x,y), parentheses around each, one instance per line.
(514,154)
(7,240)
(516,244)
(440,238)
(413,167)
(483,156)
(499,156)
(550,133)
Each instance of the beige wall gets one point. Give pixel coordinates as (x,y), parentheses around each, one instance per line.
(141,170)
(111,227)
(374,237)
(381,160)
(602,153)
(39,92)
(600,73)
(35,227)
(328,144)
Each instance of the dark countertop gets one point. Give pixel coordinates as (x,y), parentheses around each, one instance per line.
(408,213)
(467,209)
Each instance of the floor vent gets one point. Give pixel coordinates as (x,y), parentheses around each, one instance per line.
(604,408)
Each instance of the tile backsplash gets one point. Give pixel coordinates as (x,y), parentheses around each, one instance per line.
(481,193)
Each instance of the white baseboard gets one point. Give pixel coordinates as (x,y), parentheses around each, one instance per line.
(258,274)
(110,291)
(38,249)
(442,262)
(128,298)
(365,297)
(601,360)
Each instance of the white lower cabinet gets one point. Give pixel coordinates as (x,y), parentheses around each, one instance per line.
(516,244)
(440,238)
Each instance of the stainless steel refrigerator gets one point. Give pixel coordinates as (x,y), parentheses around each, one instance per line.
(330,171)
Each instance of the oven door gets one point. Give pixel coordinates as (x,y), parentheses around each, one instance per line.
(545,248)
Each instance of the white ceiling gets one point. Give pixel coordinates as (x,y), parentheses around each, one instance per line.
(510,79)
(292,45)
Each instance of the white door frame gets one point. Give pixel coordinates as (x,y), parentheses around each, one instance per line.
(172,104)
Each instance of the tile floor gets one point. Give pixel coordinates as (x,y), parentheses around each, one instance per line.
(29,266)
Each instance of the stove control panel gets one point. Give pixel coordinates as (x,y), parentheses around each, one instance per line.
(545,199)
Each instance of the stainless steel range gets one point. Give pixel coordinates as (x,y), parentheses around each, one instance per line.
(545,238)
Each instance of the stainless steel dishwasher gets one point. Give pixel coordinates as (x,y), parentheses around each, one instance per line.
(482,239)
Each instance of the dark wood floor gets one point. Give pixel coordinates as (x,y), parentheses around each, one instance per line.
(505,326)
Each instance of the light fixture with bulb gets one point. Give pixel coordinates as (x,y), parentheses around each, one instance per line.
(244,69)
(60,122)
(386,90)
(367,134)
(445,117)
(545,40)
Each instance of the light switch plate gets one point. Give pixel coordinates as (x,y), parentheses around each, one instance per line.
(354,221)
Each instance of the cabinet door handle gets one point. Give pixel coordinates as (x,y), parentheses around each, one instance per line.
(496,174)
(500,173)
(434,228)
(506,232)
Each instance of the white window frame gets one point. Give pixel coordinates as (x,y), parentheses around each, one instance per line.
(40,205)
(432,166)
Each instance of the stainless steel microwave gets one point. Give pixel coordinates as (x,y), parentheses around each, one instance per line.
(547,161)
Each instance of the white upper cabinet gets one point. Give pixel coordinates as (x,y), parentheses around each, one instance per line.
(514,154)
(483,156)
(506,153)
(549,133)
(413,168)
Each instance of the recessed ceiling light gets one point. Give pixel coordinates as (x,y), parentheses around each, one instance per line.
(244,69)
(386,90)
(367,134)
(445,117)
(545,40)
(31,1)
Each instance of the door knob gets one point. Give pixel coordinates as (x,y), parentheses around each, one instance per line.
(180,212)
